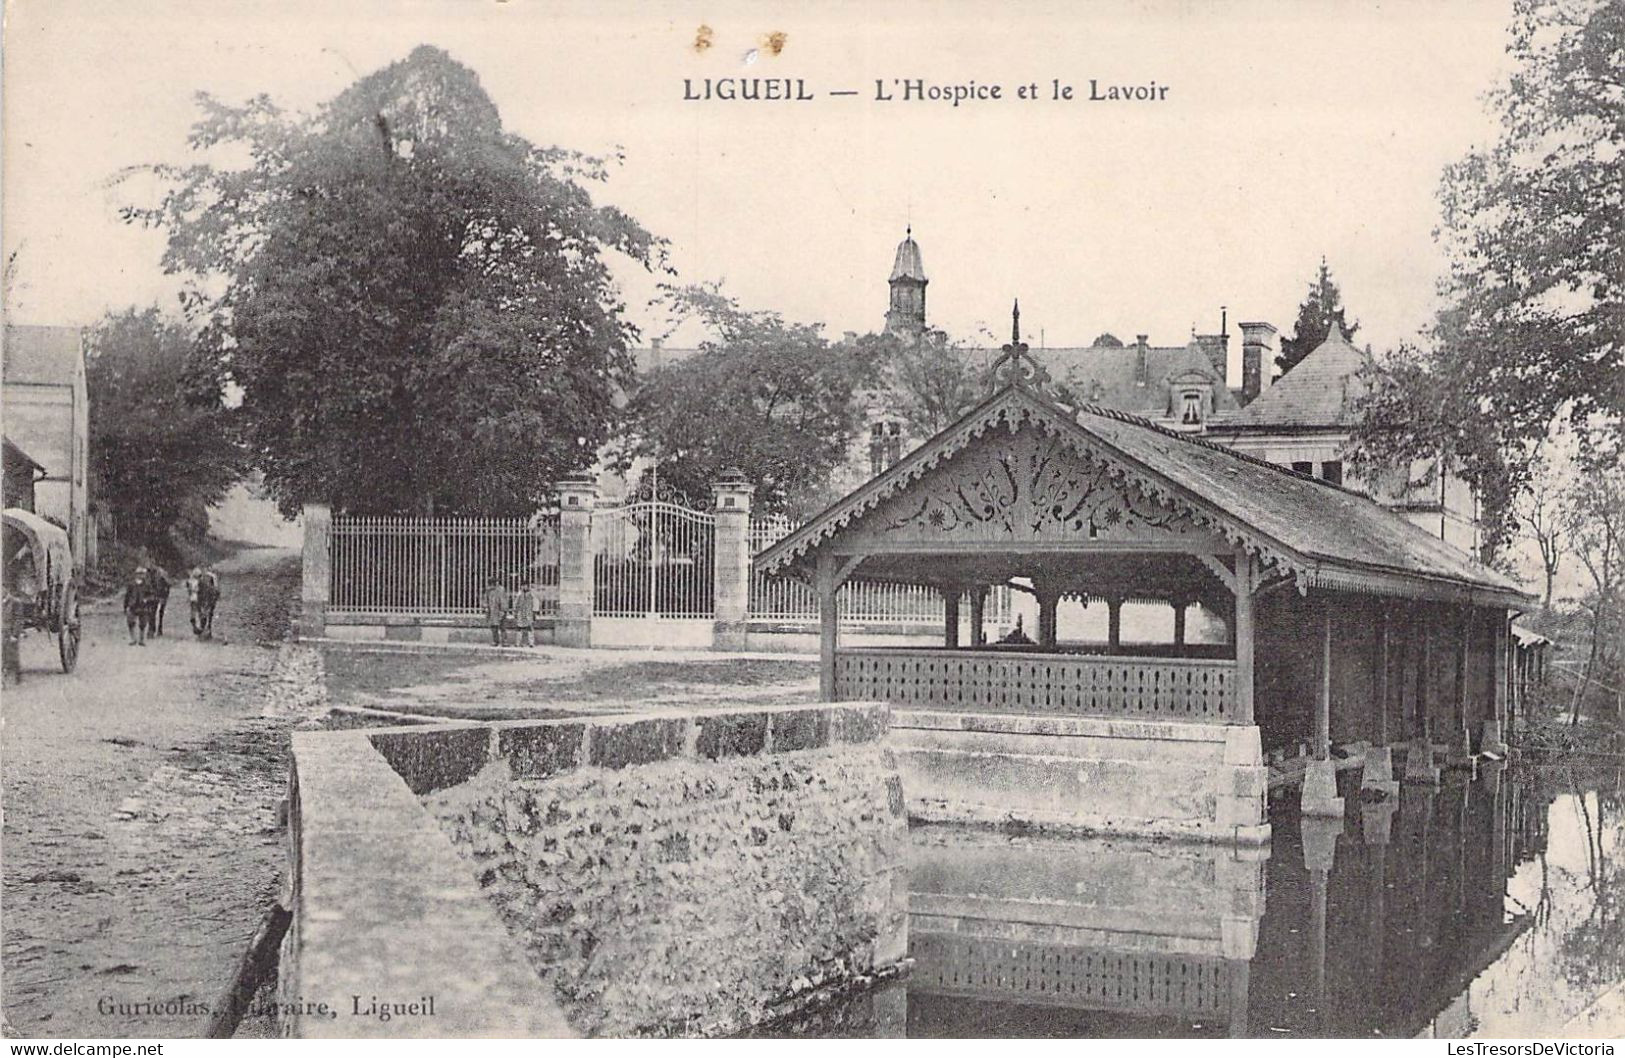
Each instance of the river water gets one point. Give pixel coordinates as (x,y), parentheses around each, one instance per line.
(1491,907)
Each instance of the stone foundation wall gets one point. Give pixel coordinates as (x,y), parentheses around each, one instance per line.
(694,873)
(688,875)
(1084,774)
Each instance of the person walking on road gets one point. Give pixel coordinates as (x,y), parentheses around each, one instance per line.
(194,581)
(208,597)
(160,598)
(524,615)
(496,611)
(138,606)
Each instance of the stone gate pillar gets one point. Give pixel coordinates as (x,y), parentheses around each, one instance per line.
(573,627)
(730,555)
(315,588)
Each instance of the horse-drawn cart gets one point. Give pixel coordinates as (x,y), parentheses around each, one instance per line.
(41,582)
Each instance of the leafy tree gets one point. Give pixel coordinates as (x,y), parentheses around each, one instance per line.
(160,437)
(1595,521)
(416,303)
(1315,316)
(1531,334)
(931,381)
(775,399)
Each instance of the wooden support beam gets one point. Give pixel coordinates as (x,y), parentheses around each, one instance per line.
(1180,606)
(1220,570)
(978,607)
(950,615)
(1463,734)
(1114,622)
(1246,638)
(1323,700)
(1382,675)
(828,582)
(1425,682)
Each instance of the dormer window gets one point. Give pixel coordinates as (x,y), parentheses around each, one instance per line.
(1190,398)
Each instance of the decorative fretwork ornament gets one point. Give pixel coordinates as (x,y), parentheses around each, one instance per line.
(1015,365)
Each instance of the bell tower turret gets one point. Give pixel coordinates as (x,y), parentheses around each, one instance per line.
(907,312)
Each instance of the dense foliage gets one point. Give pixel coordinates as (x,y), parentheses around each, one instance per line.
(774,399)
(1534,319)
(415,303)
(931,381)
(160,437)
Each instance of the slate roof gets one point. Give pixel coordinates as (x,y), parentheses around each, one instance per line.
(1319,391)
(1318,533)
(1108,375)
(41,356)
(908,263)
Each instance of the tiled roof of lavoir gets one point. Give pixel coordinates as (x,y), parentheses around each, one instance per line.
(1317,533)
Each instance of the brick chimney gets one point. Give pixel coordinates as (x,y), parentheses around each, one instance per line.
(1217,346)
(1141,371)
(1257,358)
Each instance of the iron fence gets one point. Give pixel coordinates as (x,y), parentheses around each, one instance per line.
(652,558)
(439,566)
(774,597)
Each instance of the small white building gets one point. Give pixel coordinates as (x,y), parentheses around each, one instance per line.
(1305,420)
(47,414)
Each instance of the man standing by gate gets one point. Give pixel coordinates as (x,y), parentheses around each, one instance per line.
(496,611)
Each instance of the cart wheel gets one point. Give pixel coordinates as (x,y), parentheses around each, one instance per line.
(67,628)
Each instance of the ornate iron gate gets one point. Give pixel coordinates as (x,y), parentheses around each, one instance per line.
(653,558)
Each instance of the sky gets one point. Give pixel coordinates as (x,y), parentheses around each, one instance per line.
(1289,130)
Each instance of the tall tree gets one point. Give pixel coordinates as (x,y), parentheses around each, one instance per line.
(1534,318)
(1595,520)
(774,399)
(930,380)
(415,302)
(1315,315)
(160,436)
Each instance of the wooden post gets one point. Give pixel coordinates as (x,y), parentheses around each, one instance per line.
(1323,701)
(1114,622)
(1382,676)
(1463,739)
(1424,679)
(1179,606)
(1245,637)
(950,616)
(1047,602)
(978,604)
(829,625)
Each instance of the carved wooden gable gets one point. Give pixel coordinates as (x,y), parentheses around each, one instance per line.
(1026,486)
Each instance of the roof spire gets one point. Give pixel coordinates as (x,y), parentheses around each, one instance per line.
(1015,323)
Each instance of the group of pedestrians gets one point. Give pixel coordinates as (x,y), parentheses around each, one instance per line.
(516,610)
(146,598)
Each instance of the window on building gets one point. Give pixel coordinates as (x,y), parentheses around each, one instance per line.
(1304,466)
(885,445)
(1191,413)
(1332,471)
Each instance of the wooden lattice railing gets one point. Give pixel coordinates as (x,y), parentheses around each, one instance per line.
(1188,689)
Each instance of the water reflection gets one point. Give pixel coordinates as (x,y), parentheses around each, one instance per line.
(1490,906)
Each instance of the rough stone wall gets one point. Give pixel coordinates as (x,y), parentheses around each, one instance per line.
(692,876)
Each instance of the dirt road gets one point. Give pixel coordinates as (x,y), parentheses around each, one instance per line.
(141,843)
